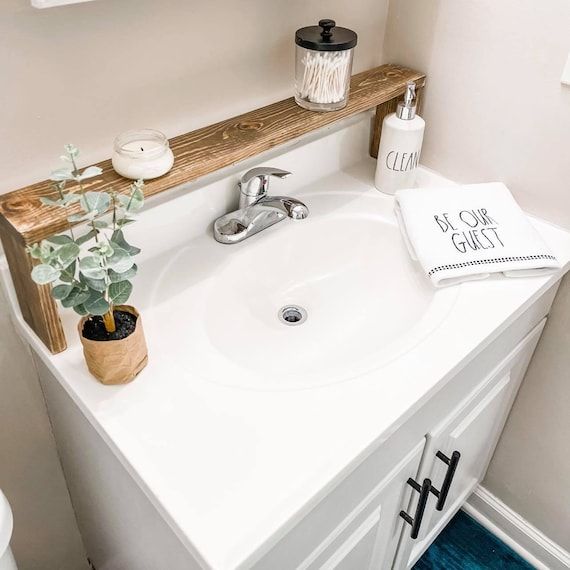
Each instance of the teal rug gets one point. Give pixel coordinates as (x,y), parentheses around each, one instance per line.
(466,545)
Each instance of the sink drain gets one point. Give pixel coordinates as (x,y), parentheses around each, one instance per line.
(292,315)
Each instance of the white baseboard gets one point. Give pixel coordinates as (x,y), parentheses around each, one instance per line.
(516,532)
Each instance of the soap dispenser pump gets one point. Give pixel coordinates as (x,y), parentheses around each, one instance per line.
(400,145)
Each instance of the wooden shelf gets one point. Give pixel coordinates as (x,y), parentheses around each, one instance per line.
(24,220)
(211,148)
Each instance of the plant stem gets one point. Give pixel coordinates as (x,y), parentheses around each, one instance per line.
(109,321)
(82,192)
(108,317)
(62,196)
(114,198)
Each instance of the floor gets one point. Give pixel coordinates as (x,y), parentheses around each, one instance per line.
(466,545)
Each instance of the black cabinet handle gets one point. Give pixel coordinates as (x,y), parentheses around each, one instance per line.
(451,467)
(416,522)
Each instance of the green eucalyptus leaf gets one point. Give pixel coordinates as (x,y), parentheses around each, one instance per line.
(125,222)
(46,248)
(96,284)
(34,250)
(90,172)
(102,250)
(90,266)
(71,150)
(81,310)
(71,199)
(137,196)
(118,239)
(68,274)
(86,237)
(133,201)
(126,275)
(60,292)
(43,274)
(77,297)
(96,304)
(61,174)
(106,250)
(101,224)
(74,218)
(120,292)
(123,200)
(49,202)
(46,253)
(59,240)
(120,261)
(68,253)
(95,201)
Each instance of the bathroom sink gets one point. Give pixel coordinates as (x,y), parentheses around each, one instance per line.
(302,304)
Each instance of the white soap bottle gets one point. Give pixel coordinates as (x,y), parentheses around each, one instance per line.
(400,146)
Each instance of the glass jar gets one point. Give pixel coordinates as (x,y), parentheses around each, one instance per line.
(323,66)
(142,154)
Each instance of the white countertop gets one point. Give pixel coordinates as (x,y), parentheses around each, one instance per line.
(232,469)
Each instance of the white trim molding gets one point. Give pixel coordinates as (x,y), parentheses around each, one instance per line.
(516,532)
(52,3)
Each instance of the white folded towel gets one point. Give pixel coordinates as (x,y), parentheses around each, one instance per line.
(460,233)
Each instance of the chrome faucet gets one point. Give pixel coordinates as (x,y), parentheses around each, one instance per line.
(257,210)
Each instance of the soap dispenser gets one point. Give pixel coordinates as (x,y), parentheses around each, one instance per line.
(400,146)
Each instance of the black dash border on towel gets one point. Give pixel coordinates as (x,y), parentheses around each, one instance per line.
(494,260)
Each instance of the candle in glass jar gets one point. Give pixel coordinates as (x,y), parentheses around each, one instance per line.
(144,153)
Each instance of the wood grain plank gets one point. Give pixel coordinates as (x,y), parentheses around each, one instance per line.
(382,111)
(213,147)
(38,307)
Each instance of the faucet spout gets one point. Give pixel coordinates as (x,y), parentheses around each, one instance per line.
(257,210)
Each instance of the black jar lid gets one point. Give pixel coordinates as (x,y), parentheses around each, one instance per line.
(326,37)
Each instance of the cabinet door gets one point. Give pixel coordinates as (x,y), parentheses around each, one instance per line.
(471,432)
(368,538)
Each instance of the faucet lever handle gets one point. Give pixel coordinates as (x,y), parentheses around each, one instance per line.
(255,182)
(263,171)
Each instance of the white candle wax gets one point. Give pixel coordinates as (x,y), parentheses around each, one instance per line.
(144,156)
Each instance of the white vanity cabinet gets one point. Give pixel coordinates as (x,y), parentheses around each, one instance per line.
(357,524)
(455,433)
(459,447)
(367,538)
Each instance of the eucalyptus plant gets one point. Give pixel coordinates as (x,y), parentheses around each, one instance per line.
(90,269)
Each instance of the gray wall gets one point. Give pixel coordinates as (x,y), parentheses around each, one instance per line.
(531,467)
(87,72)
(495,110)
(45,532)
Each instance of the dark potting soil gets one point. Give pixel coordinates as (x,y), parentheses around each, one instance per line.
(94,327)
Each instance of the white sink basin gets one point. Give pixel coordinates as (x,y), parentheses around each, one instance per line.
(346,265)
